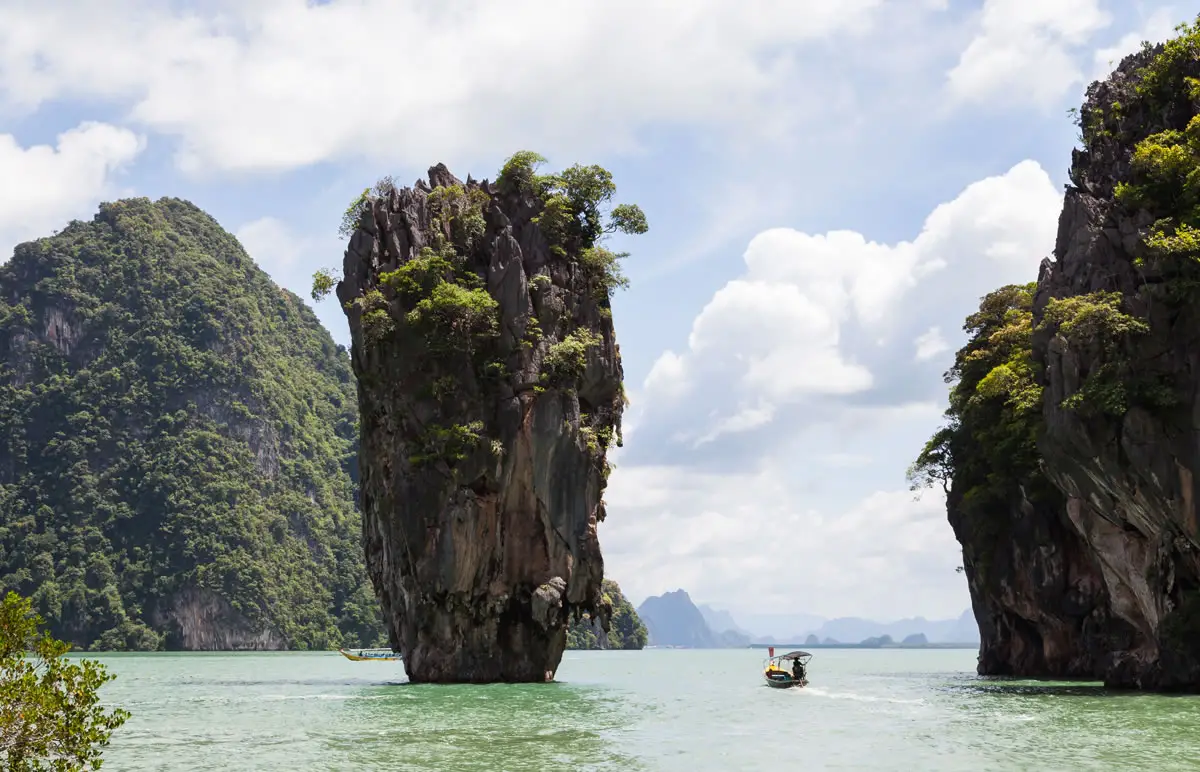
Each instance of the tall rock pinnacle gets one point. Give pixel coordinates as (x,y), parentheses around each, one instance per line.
(490,388)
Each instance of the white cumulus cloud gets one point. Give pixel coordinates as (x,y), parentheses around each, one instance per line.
(43,186)
(754,542)
(774,336)
(275,84)
(930,343)
(1158,26)
(767,457)
(1026,50)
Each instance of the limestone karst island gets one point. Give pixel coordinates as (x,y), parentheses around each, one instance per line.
(1070,447)
(340,429)
(490,389)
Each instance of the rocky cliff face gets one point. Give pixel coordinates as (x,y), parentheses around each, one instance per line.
(1036,589)
(203,620)
(1120,344)
(490,387)
(1072,443)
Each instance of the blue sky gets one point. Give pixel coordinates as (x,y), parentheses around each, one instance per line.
(830,188)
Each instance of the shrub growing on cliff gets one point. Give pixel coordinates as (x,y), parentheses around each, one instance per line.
(457,314)
(354,212)
(604,268)
(445,303)
(1096,321)
(1165,179)
(986,454)
(1171,73)
(417,278)
(377,323)
(566,360)
(323,282)
(573,214)
(519,174)
(50,718)
(1164,176)
(448,444)
(933,464)
(457,213)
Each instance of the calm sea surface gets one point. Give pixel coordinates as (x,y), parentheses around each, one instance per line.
(648,710)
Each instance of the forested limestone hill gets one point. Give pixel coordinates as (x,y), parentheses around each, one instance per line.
(177,443)
(625,628)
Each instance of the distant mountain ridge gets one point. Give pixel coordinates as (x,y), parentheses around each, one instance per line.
(720,621)
(854,629)
(678,626)
(672,619)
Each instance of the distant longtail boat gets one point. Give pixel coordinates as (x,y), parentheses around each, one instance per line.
(362,655)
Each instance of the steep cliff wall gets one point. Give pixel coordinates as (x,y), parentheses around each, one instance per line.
(1119,339)
(1072,439)
(177,442)
(490,387)
(1036,591)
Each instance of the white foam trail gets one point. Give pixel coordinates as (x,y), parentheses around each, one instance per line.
(818,692)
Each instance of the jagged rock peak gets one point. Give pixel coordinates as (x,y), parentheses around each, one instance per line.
(490,388)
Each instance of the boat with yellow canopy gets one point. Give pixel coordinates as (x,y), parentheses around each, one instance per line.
(786,670)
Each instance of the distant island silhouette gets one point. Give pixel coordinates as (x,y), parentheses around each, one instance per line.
(673,620)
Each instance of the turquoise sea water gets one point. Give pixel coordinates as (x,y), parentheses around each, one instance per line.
(649,710)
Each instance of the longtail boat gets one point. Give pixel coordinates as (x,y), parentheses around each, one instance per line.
(364,655)
(780,675)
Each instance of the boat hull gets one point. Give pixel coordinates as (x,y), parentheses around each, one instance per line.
(784,682)
(373,657)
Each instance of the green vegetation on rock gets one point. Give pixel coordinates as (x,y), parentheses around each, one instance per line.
(566,360)
(352,217)
(174,429)
(449,444)
(458,212)
(572,218)
(995,402)
(995,413)
(1096,321)
(1165,172)
(435,292)
(1155,113)
(50,716)
(988,447)
(435,303)
(625,629)
(986,456)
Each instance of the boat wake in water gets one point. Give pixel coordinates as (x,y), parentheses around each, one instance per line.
(816,691)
